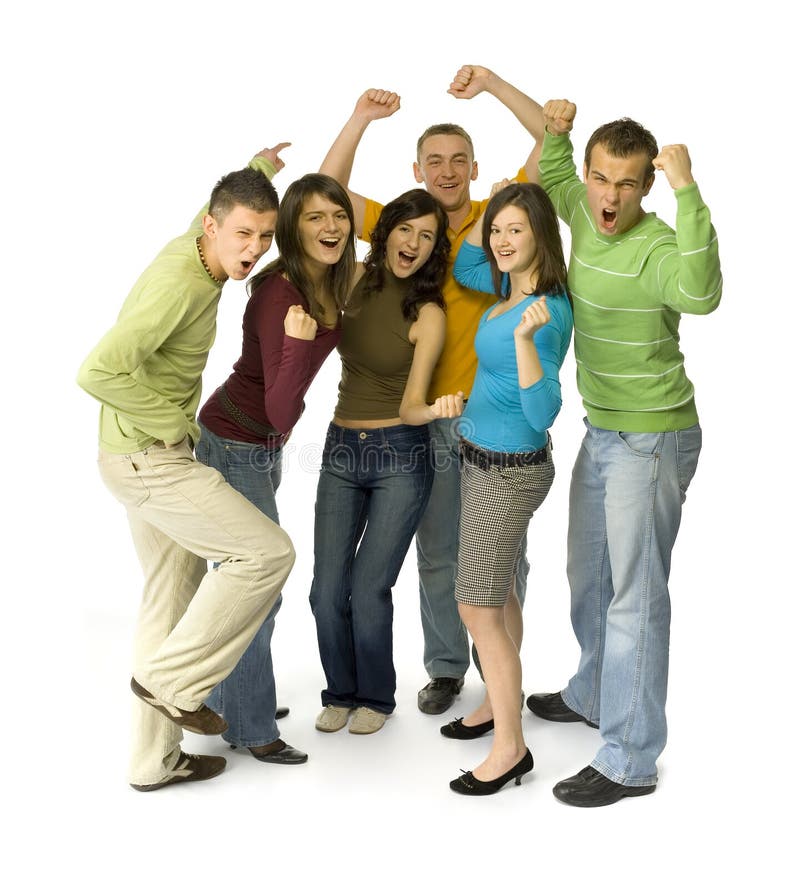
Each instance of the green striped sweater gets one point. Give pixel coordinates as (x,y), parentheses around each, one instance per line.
(628,293)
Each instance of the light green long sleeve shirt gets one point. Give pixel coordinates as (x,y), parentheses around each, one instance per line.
(147,370)
(628,293)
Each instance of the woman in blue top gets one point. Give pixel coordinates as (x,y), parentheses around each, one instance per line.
(507,466)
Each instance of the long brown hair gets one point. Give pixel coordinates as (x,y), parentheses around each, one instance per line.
(291,261)
(549,256)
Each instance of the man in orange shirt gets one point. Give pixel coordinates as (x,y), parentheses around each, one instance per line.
(445,166)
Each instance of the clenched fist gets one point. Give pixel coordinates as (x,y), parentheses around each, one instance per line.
(299,324)
(469,81)
(535,316)
(377,103)
(674,160)
(448,406)
(559,115)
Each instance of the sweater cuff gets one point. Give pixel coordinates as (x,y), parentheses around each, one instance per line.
(267,167)
(688,198)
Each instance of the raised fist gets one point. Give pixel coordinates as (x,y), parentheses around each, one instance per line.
(674,160)
(298,324)
(559,115)
(469,81)
(377,103)
(535,316)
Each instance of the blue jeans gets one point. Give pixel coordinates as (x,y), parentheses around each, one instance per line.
(246,698)
(446,653)
(373,485)
(624,513)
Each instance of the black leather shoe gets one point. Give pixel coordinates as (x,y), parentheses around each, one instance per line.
(553,708)
(281,712)
(468,784)
(457,730)
(438,694)
(591,789)
(277,753)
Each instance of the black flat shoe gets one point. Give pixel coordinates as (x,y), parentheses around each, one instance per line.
(468,784)
(591,789)
(281,712)
(283,755)
(457,730)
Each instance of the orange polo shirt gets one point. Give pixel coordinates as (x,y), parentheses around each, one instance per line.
(456,368)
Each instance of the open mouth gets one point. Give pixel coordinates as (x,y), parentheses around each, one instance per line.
(330,243)
(609,218)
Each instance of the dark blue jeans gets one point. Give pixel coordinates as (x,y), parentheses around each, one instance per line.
(373,486)
(246,698)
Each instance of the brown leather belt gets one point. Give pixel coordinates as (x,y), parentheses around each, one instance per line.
(242,419)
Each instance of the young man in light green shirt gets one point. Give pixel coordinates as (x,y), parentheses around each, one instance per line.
(146,372)
(630,278)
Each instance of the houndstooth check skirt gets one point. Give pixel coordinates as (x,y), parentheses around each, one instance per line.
(496,507)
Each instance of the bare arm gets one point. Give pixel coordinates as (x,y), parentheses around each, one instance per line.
(473,79)
(338,163)
(427,334)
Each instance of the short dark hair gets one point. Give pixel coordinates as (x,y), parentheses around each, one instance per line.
(445,129)
(551,268)
(426,283)
(339,276)
(247,188)
(622,138)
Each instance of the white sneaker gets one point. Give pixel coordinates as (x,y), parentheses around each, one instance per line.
(367,721)
(332,718)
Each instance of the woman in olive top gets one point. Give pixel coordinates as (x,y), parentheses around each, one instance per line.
(376,467)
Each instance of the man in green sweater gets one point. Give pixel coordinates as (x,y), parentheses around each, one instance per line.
(146,372)
(630,277)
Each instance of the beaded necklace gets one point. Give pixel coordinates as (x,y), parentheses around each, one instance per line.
(205,264)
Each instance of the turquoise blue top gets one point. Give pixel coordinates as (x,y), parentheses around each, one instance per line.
(500,414)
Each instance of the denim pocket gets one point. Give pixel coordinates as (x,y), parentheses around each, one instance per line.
(644,444)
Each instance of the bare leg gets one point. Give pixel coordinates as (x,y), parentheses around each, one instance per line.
(513,621)
(502,673)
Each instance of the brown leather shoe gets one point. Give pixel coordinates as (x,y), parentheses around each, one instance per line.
(201,721)
(189,767)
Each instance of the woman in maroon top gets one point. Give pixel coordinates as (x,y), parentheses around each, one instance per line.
(291,324)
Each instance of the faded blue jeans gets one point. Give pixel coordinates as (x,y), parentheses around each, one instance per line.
(246,698)
(624,513)
(373,485)
(446,653)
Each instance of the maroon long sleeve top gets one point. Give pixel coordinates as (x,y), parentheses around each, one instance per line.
(270,379)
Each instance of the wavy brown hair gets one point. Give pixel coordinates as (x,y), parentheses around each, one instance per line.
(426,283)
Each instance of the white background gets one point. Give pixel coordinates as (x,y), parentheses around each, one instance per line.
(118,119)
